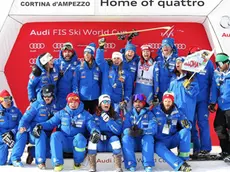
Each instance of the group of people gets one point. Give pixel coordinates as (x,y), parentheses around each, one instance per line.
(127,104)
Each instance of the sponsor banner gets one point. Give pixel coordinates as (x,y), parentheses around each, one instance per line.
(196,62)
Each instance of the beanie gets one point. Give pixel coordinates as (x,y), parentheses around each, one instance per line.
(168,95)
(117,54)
(182,59)
(168,42)
(90,48)
(145,47)
(102,98)
(222,57)
(130,47)
(72,97)
(4,93)
(48,90)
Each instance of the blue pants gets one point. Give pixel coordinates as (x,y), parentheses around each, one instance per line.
(201,120)
(144,143)
(60,143)
(181,139)
(41,146)
(4,152)
(111,145)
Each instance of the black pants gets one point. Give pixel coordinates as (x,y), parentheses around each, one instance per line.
(90,105)
(222,128)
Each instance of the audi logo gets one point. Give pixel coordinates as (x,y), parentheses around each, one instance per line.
(225,22)
(110,45)
(180,46)
(32,61)
(57,45)
(35,46)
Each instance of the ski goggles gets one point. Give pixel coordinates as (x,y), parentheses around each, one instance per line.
(8,99)
(220,64)
(106,102)
(67,47)
(140,97)
(73,99)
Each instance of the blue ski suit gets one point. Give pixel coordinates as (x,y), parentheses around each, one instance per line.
(146,121)
(166,69)
(73,127)
(185,98)
(37,82)
(111,84)
(172,133)
(37,112)
(9,120)
(110,132)
(202,114)
(66,71)
(87,81)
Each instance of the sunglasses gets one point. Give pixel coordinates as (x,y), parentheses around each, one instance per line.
(8,99)
(140,97)
(106,101)
(220,64)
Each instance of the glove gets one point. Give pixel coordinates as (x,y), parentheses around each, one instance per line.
(155,101)
(130,37)
(211,107)
(8,139)
(123,105)
(95,137)
(121,37)
(186,83)
(105,117)
(185,123)
(37,130)
(101,43)
(33,100)
(135,131)
(36,71)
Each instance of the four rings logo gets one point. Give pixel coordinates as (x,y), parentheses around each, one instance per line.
(57,45)
(35,46)
(225,22)
(110,45)
(180,46)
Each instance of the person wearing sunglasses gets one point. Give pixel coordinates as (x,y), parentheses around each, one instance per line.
(173,131)
(66,65)
(87,80)
(166,58)
(73,127)
(9,120)
(48,75)
(220,94)
(39,111)
(139,128)
(110,126)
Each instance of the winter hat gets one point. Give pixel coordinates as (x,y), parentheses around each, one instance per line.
(222,57)
(130,47)
(45,58)
(102,98)
(3,94)
(48,90)
(146,47)
(117,54)
(182,59)
(90,48)
(168,95)
(193,50)
(72,97)
(168,42)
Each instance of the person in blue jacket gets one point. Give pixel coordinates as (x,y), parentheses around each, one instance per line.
(202,145)
(139,129)
(9,120)
(110,126)
(73,124)
(185,90)
(116,81)
(39,111)
(173,131)
(166,59)
(147,81)
(66,65)
(220,94)
(87,80)
(44,73)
